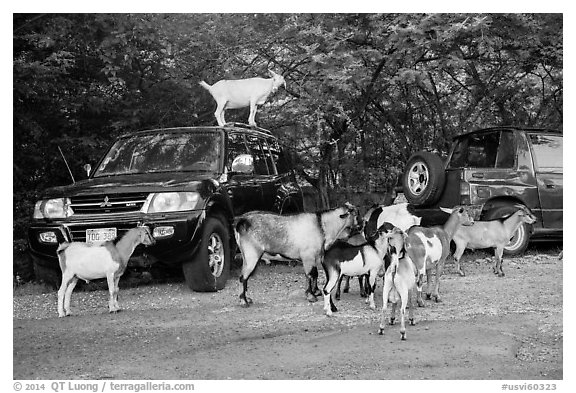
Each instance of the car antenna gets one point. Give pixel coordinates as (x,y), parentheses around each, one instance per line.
(66,162)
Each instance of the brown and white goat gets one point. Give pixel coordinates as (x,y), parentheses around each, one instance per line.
(365,260)
(89,262)
(429,247)
(301,237)
(400,215)
(240,93)
(399,283)
(494,234)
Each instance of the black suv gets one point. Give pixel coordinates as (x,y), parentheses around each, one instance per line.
(493,169)
(186,184)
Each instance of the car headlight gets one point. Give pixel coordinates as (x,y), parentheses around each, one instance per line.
(171,202)
(53,208)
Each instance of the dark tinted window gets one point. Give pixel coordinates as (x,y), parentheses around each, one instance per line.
(260,152)
(236,146)
(476,150)
(506,151)
(495,149)
(547,151)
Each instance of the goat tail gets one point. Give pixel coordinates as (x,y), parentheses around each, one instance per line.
(242,225)
(205,85)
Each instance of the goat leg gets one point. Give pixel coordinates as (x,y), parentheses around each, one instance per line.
(246,300)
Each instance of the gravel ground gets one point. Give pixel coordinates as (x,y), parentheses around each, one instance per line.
(506,328)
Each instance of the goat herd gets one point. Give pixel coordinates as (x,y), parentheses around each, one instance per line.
(388,241)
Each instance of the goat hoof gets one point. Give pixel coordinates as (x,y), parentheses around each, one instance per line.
(392,321)
(412,323)
(363,294)
(333,309)
(437,299)
(311,298)
(501,274)
(345,290)
(317,292)
(403,336)
(420,303)
(428,296)
(62,315)
(461,273)
(380,331)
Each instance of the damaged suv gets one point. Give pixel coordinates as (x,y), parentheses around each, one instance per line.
(491,170)
(186,184)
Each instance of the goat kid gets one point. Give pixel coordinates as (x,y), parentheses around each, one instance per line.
(400,215)
(343,259)
(494,234)
(301,237)
(240,93)
(429,247)
(90,262)
(399,283)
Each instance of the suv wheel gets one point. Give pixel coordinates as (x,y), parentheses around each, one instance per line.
(423,179)
(521,237)
(209,269)
(51,277)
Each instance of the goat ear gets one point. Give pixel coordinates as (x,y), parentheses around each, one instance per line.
(446,210)
(272,73)
(344,215)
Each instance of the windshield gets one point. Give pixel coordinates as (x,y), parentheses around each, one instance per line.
(163,152)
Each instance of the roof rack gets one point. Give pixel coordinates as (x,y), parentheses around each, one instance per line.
(243,125)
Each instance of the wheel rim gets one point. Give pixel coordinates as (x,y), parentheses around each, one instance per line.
(418,177)
(215,254)
(516,240)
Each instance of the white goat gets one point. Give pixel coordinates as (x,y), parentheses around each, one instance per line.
(240,93)
(399,283)
(344,259)
(494,234)
(90,262)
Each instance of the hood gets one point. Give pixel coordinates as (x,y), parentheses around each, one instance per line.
(151,182)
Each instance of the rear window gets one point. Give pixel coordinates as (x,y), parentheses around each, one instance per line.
(547,151)
(494,149)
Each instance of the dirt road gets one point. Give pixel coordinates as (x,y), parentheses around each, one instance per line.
(486,328)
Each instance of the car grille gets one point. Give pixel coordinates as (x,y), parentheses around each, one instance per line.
(104,204)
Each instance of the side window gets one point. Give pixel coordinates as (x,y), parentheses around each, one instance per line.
(236,146)
(547,151)
(506,156)
(476,151)
(262,160)
(279,157)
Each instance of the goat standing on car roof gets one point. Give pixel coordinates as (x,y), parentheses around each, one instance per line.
(303,237)
(494,234)
(240,93)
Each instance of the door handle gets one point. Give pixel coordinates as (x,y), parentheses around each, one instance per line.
(550,185)
(478,175)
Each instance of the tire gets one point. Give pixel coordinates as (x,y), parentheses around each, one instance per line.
(46,275)
(209,269)
(521,237)
(423,179)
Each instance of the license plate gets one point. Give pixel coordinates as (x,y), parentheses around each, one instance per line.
(100,235)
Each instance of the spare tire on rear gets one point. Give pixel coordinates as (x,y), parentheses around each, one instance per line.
(423,179)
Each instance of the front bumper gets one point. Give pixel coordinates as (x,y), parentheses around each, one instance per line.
(170,250)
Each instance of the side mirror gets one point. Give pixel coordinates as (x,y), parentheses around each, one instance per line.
(88,169)
(244,163)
